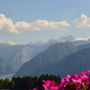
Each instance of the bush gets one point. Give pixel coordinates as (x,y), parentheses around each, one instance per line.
(74,82)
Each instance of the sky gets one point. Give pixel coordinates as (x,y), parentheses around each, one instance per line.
(24,21)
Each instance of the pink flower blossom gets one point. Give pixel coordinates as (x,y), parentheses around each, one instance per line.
(75,81)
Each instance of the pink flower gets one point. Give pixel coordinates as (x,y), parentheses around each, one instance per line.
(86,72)
(76,82)
(51,85)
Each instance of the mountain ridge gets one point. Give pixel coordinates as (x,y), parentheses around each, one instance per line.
(54,52)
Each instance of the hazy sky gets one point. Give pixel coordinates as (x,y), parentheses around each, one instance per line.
(24,21)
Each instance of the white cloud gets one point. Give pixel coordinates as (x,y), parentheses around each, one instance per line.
(1,41)
(8,42)
(82,22)
(8,26)
(40,25)
(81,38)
(11,42)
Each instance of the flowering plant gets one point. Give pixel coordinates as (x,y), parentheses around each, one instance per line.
(69,82)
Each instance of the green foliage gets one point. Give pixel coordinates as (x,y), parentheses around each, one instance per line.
(26,83)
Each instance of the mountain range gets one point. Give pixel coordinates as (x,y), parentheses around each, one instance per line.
(13,56)
(59,59)
(36,56)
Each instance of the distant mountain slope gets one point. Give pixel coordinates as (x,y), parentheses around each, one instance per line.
(13,56)
(50,56)
(73,63)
